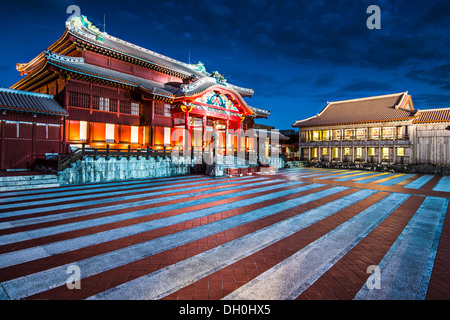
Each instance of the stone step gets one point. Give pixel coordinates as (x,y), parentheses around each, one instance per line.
(29,187)
(26,182)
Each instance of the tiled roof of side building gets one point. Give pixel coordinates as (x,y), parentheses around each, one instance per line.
(432,115)
(372,109)
(30,102)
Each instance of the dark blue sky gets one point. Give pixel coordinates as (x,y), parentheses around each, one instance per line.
(296,55)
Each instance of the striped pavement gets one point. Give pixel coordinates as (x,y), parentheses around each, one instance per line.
(303,233)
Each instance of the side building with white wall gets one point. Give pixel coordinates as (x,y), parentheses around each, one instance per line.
(383,129)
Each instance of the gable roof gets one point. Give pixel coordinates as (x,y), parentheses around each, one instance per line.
(30,102)
(372,109)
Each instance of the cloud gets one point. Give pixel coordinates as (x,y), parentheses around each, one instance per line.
(438,76)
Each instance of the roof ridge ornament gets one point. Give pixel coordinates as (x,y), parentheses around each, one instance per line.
(81,22)
(199,67)
(219,78)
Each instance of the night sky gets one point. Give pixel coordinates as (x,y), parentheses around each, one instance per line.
(296,55)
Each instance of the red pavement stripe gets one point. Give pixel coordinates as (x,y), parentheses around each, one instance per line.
(431,184)
(346,277)
(83,253)
(101,282)
(242,271)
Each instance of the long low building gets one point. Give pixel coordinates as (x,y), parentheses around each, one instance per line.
(383,129)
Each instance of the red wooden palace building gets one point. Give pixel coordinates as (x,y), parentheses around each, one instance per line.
(119,94)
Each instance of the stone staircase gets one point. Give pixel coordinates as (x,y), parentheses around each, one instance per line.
(231,166)
(26,182)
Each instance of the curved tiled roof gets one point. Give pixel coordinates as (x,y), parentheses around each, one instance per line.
(77,65)
(371,109)
(24,101)
(104,40)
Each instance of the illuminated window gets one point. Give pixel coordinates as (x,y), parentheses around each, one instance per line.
(315,136)
(400,152)
(134,134)
(167,133)
(346,151)
(83,130)
(335,153)
(325,135)
(324,151)
(361,134)
(385,153)
(314,152)
(348,134)
(167,110)
(103,104)
(371,152)
(336,135)
(374,133)
(400,133)
(388,133)
(135,108)
(358,153)
(109,133)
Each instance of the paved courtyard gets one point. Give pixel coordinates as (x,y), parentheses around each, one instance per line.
(303,233)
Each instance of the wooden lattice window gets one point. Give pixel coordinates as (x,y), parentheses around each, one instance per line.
(134,108)
(159,108)
(79,100)
(125,106)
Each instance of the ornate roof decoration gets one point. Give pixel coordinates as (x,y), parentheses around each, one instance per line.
(219,78)
(207,82)
(200,67)
(217,99)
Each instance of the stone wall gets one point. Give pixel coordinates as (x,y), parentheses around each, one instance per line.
(101,170)
(431,144)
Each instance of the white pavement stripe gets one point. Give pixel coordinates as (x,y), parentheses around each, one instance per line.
(292,276)
(396,180)
(3,295)
(137,202)
(406,267)
(29,254)
(17,195)
(420,182)
(334,175)
(443,184)
(259,187)
(45,280)
(42,232)
(170,279)
(114,191)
